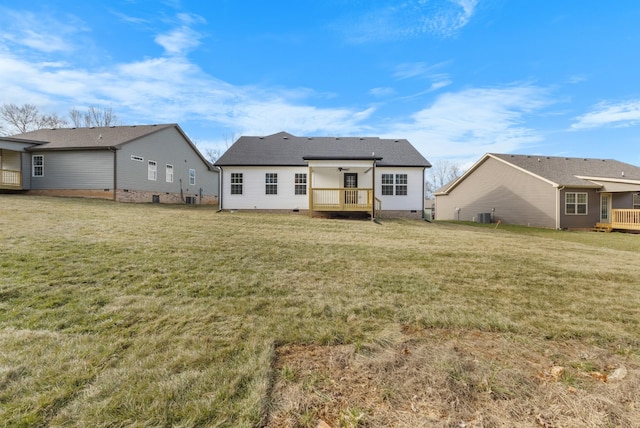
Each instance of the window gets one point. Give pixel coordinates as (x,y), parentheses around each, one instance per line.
(271,183)
(192,176)
(152,171)
(169,173)
(37,165)
(401,184)
(137,158)
(301,184)
(575,203)
(387,184)
(236,183)
(636,201)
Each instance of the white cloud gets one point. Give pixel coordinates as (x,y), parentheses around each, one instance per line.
(410,18)
(467,124)
(183,38)
(384,91)
(42,32)
(605,114)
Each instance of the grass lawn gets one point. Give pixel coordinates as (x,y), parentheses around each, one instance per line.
(151,315)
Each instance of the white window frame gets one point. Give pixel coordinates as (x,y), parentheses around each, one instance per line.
(300,183)
(402,185)
(37,170)
(169,173)
(271,183)
(152,170)
(237,183)
(387,184)
(192,177)
(571,199)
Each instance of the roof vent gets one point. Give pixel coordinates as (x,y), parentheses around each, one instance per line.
(538,159)
(622,173)
(286,138)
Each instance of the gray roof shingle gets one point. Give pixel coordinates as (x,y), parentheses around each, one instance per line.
(284,149)
(565,171)
(89,138)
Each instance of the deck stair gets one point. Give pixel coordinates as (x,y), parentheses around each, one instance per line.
(602,227)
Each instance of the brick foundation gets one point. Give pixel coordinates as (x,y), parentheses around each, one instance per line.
(126,196)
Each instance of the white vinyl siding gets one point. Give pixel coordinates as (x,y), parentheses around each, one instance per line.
(37,166)
(152,171)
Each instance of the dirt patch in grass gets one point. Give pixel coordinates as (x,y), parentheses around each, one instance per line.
(416,378)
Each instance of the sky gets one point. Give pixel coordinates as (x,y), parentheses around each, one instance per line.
(457,78)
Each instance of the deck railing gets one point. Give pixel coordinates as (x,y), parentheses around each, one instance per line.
(11,179)
(342,199)
(625,219)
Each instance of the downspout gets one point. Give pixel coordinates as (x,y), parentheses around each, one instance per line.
(373,190)
(220,176)
(424,192)
(558,206)
(115,173)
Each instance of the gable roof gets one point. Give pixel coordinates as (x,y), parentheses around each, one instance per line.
(96,138)
(562,171)
(90,138)
(284,149)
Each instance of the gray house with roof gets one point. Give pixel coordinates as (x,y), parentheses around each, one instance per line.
(545,191)
(140,163)
(381,177)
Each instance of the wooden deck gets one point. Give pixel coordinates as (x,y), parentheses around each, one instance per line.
(10,179)
(620,220)
(344,199)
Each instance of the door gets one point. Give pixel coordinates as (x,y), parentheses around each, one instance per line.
(350,182)
(605,208)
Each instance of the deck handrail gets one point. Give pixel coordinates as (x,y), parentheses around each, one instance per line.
(11,178)
(625,219)
(342,199)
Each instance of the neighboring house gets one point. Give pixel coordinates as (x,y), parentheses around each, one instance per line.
(544,191)
(141,163)
(382,177)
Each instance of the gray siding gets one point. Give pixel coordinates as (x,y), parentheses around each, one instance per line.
(164,147)
(582,221)
(90,169)
(518,197)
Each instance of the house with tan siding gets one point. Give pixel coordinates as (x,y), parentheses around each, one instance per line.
(545,191)
(139,163)
(330,175)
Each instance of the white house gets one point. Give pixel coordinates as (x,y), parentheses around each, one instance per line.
(381,177)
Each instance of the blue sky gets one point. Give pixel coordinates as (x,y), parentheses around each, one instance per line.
(458,78)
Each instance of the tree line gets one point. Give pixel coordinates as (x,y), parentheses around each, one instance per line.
(15,119)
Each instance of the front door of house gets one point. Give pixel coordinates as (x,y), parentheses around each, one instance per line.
(350,182)
(605,207)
